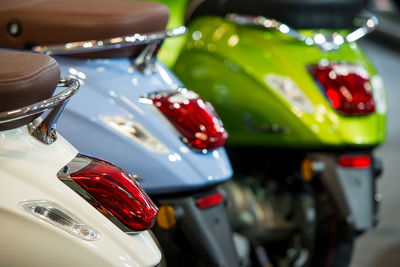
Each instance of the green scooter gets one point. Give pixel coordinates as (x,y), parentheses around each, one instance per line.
(304,108)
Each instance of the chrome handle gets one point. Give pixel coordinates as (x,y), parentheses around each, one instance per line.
(45,131)
(267,23)
(366,24)
(108,44)
(39,107)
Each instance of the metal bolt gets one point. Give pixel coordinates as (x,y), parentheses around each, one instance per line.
(378,197)
(14,28)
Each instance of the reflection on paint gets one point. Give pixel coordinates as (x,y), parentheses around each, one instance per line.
(165,76)
(174,157)
(215,153)
(184,149)
(233,40)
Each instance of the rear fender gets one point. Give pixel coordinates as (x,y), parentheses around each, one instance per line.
(248,109)
(111,88)
(29,173)
(352,190)
(243,58)
(207,230)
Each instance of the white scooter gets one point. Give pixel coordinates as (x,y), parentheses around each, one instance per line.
(57,207)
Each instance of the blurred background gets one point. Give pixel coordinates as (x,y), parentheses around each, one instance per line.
(381,246)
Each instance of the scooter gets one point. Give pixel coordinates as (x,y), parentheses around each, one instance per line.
(136,113)
(58,207)
(305,110)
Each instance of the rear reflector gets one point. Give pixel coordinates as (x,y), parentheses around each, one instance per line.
(118,193)
(359,161)
(166,218)
(194,118)
(209,201)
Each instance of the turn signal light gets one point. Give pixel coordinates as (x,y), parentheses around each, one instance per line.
(347,87)
(194,118)
(118,192)
(307,170)
(354,161)
(166,218)
(58,216)
(209,201)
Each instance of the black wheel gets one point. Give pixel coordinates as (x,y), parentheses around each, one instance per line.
(334,239)
(302,228)
(305,228)
(327,242)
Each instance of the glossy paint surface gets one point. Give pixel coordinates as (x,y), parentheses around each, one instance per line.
(28,171)
(231,65)
(112,88)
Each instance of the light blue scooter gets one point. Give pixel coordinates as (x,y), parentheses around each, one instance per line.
(134,112)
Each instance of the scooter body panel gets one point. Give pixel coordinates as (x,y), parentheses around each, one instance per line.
(112,89)
(256,113)
(29,173)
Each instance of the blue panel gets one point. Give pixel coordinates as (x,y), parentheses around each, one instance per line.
(113,87)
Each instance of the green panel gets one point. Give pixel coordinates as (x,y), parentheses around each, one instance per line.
(173,46)
(227,64)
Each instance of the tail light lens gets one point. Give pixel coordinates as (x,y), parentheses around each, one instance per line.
(354,161)
(347,87)
(194,118)
(116,191)
(209,201)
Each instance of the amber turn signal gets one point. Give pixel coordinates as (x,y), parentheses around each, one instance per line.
(166,218)
(307,170)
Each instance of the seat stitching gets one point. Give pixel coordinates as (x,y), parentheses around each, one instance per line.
(29,76)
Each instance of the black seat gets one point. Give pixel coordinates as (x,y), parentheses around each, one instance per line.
(300,14)
(25,78)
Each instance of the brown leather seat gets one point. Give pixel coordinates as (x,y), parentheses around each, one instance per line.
(25,23)
(25,78)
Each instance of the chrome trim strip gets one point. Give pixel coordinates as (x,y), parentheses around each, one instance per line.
(110,43)
(148,97)
(366,23)
(267,23)
(45,131)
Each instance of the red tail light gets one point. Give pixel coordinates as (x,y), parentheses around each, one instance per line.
(209,201)
(358,161)
(347,87)
(194,118)
(117,192)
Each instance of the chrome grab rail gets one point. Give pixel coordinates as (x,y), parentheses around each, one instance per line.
(45,131)
(367,23)
(108,44)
